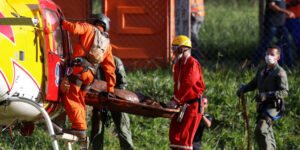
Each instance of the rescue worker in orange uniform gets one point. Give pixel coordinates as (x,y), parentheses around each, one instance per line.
(197,18)
(81,77)
(188,89)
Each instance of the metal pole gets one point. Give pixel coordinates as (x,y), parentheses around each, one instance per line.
(57,127)
(69,145)
(182,17)
(45,115)
(261,18)
(170,32)
(189,18)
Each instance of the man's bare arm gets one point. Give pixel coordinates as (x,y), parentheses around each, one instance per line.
(207,122)
(274,7)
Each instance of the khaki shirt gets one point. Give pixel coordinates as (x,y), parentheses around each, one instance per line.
(121,82)
(273,80)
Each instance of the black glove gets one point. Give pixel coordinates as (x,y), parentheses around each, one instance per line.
(271,95)
(241,90)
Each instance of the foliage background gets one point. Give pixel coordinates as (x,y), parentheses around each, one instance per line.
(230,31)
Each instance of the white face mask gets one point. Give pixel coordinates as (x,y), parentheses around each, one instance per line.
(270,60)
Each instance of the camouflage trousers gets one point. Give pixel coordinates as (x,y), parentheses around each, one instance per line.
(264,135)
(122,126)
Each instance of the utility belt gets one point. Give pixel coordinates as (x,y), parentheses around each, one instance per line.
(277,103)
(186,104)
(199,100)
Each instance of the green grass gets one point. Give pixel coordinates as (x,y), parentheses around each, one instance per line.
(229,33)
(227,130)
(96,6)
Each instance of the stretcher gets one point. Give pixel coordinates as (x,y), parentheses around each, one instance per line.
(127,101)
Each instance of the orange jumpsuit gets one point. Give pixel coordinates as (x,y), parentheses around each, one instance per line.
(74,100)
(188,86)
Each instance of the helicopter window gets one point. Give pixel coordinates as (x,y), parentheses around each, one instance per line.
(56,38)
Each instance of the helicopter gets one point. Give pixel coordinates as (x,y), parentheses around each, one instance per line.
(33,49)
(34,52)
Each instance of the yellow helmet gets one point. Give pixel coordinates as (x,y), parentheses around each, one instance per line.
(182,40)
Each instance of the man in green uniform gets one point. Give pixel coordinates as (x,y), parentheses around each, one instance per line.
(121,120)
(271,82)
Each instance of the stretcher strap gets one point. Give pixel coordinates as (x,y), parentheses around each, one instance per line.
(85,87)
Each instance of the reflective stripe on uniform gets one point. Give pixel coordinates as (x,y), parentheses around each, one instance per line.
(181,146)
(187,58)
(178,86)
(201,13)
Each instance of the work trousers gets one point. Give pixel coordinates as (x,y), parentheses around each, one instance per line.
(181,134)
(73,101)
(264,135)
(293,26)
(122,125)
(196,23)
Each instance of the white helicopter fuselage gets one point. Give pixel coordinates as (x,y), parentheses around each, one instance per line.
(23,86)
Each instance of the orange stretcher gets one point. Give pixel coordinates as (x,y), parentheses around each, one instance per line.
(127,101)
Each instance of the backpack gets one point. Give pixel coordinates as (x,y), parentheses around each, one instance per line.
(98,48)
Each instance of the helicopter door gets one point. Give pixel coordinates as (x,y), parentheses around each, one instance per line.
(54,49)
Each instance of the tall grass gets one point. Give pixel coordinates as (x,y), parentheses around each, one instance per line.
(230,29)
(227,130)
(229,32)
(96,6)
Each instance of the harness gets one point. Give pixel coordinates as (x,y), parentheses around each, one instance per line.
(81,62)
(90,61)
(75,79)
(279,106)
(273,117)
